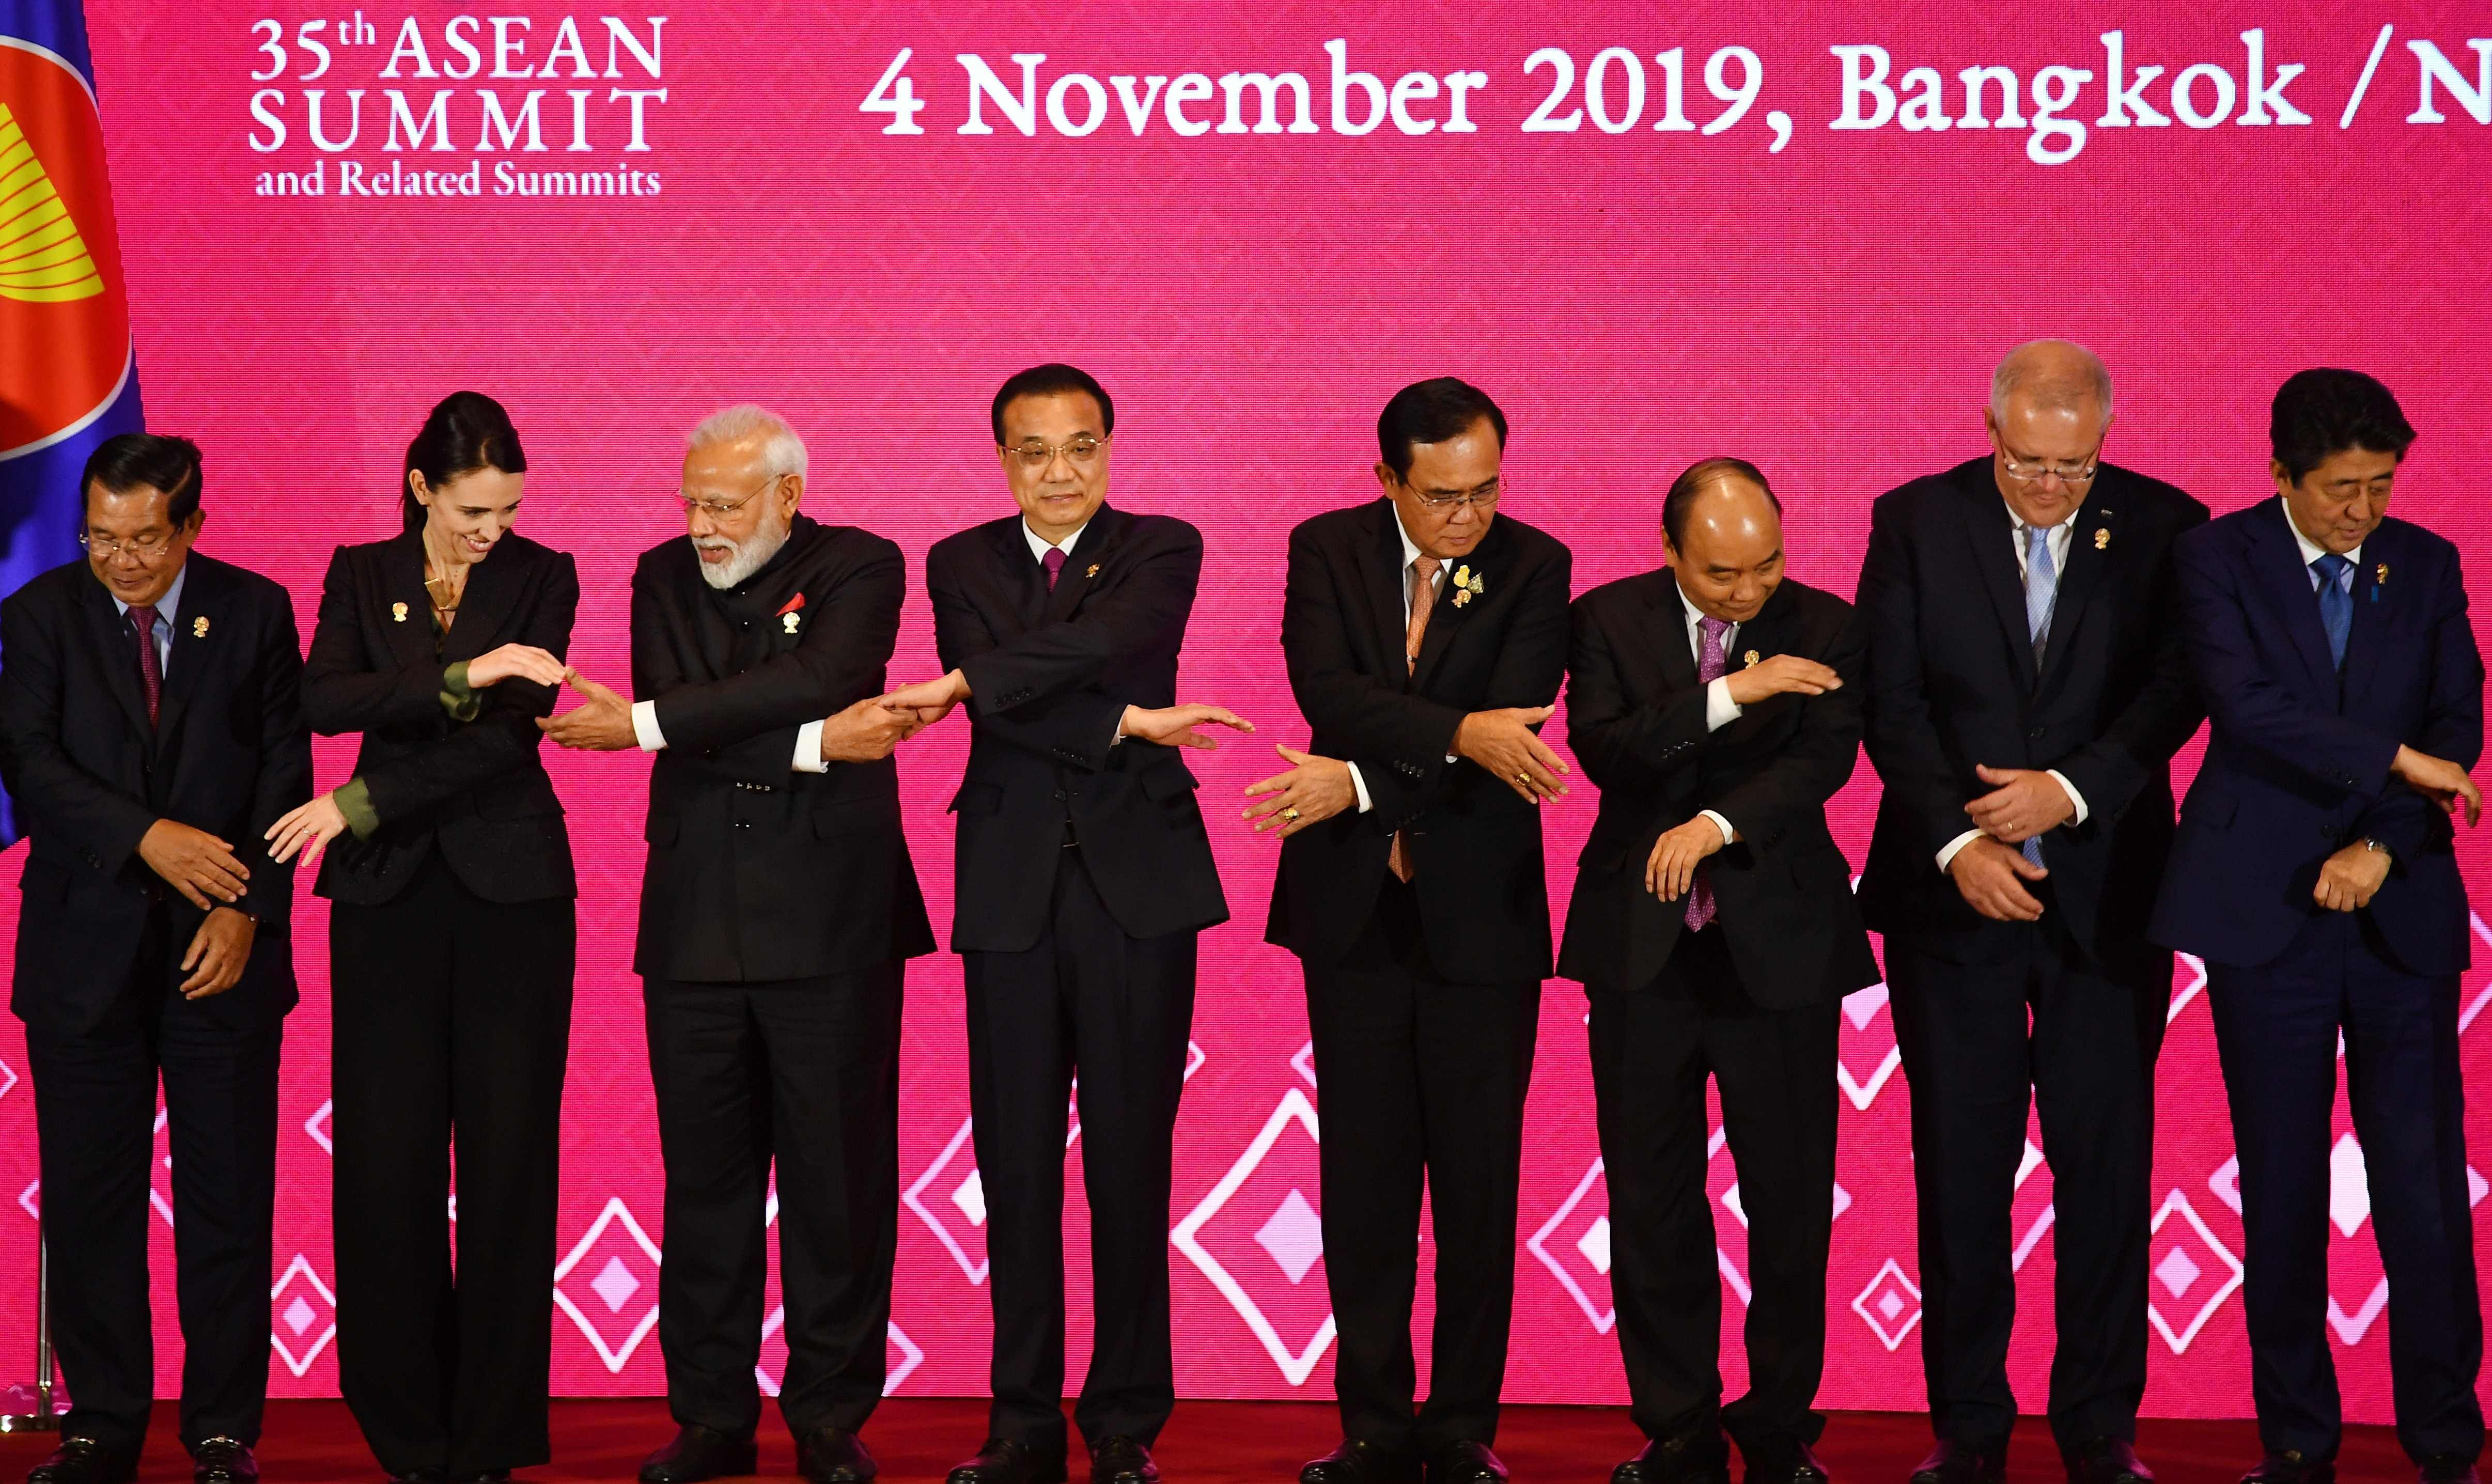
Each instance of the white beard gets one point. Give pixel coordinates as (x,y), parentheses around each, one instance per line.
(750,556)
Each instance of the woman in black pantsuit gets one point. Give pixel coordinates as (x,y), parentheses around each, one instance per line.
(452,944)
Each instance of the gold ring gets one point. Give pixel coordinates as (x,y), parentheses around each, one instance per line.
(1523,778)
(1289,814)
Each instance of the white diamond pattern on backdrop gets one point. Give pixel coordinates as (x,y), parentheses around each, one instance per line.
(1890,1305)
(307,1314)
(2196,1272)
(2349,1186)
(1295,1362)
(321,1128)
(1293,1236)
(623,1268)
(958,1158)
(1868,1056)
(1577,1215)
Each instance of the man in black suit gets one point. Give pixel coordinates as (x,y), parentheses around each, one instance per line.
(1426,638)
(150,730)
(1082,878)
(1717,707)
(2027,688)
(2316,871)
(778,908)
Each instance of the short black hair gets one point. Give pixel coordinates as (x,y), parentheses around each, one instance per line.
(1704,471)
(129,460)
(463,433)
(2324,412)
(1054,379)
(1432,411)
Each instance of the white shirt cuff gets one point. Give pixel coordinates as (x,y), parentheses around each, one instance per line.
(1720,710)
(644,726)
(2074,797)
(1948,854)
(1359,784)
(809,748)
(1723,825)
(1119,734)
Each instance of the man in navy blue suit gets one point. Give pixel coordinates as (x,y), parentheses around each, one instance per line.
(2315,872)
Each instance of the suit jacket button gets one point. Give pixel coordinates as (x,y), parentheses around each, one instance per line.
(2036,732)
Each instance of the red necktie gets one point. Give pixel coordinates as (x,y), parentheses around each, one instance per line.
(1712,661)
(151,673)
(1053,562)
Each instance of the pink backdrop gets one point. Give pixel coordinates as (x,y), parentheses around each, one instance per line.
(1636,300)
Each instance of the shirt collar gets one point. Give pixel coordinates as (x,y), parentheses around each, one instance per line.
(1039,547)
(168,605)
(2311,551)
(1410,548)
(1695,616)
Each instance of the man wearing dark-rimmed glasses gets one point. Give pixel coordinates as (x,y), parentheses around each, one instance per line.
(2027,688)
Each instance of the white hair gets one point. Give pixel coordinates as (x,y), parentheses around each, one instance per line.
(782,451)
(2040,369)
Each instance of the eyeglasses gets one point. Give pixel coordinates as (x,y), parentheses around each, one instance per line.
(1485,497)
(723,510)
(146,549)
(2035,471)
(1080,452)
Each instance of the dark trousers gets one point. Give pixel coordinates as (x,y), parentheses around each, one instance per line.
(95,1123)
(450,1027)
(1085,998)
(1421,1083)
(2277,1027)
(1652,1049)
(805,1072)
(2045,1027)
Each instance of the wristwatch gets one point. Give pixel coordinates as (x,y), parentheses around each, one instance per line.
(2375,842)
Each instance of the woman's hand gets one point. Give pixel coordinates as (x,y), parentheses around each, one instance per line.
(309,829)
(526,662)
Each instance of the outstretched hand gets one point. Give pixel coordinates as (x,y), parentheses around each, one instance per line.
(602,723)
(1174,726)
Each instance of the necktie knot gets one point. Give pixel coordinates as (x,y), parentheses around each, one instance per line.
(2335,602)
(144,616)
(1427,566)
(151,673)
(1712,656)
(1713,628)
(2336,570)
(1053,562)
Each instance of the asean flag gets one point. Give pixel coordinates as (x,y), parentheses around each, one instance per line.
(68,377)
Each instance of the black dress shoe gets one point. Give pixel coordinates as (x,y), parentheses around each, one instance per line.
(1782,1461)
(700,1453)
(1122,1460)
(84,1461)
(2292,1467)
(1465,1462)
(1699,1456)
(1005,1461)
(1955,1462)
(420,1476)
(1360,1462)
(834,1455)
(2106,1460)
(483,1476)
(223,1461)
(2448,1469)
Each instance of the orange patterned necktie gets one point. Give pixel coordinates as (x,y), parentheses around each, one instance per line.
(1423,600)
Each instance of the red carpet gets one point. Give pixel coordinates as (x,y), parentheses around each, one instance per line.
(1216,1442)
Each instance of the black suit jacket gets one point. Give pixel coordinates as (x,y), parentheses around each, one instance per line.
(1050,674)
(475,791)
(1635,718)
(229,754)
(756,872)
(1473,843)
(1952,684)
(2298,761)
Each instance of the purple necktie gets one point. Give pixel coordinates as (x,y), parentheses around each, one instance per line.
(151,673)
(1712,658)
(1053,562)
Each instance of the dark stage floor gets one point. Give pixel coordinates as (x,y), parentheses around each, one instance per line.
(1213,1443)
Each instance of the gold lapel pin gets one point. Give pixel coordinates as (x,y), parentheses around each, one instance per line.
(1753,659)
(2103,537)
(397,612)
(199,627)
(788,621)
(2380,574)
(1093,572)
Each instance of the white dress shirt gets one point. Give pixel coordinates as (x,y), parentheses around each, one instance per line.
(2061,537)
(1437,584)
(1720,710)
(2311,551)
(166,608)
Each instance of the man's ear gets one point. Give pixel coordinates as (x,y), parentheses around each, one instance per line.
(1385,477)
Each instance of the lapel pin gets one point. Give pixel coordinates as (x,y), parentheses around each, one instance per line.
(397,612)
(788,622)
(1753,659)
(1092,573)
(788,614)
(2379,579)
(199,627)
(2103,537)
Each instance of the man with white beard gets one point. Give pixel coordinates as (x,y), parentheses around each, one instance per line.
(778,908)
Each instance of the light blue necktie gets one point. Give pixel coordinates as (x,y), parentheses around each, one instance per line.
(2336,602)
(2041,591)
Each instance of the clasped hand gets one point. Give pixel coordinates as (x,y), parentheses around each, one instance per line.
(602,723)
(2023,803)
(1503,742)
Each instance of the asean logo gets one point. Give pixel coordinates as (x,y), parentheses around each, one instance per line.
(64,319)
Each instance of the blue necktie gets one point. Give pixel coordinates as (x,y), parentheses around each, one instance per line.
(2041,591)
(2336,602)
